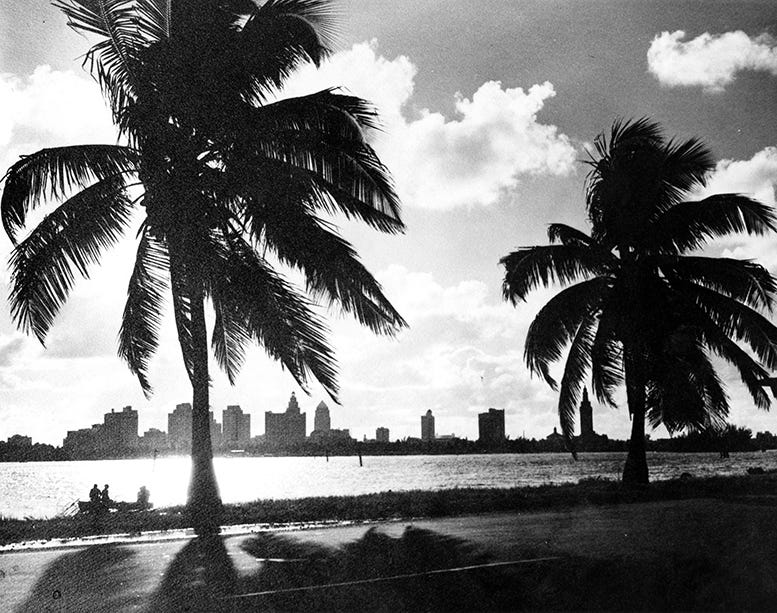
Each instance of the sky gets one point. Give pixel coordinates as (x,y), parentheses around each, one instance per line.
(487,108)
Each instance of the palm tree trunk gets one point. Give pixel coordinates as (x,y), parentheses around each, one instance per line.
(635,472)
(204,504)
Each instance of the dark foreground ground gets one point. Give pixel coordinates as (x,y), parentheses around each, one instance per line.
(694,554)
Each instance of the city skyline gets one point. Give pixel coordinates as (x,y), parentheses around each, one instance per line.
(483,140)
(490,427)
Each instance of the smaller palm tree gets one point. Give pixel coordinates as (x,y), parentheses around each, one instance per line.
(639,310)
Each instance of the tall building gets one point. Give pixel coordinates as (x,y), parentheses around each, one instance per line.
(427,426)
(236,427)
(285,428)
(491,426)
(215,431)
(586,417)
(321,421)
(382,435)
(120,430)
(179,428)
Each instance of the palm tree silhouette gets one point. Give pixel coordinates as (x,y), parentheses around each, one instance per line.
(639,310)
(233,183)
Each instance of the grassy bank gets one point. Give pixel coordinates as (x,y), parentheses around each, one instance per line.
(386,505)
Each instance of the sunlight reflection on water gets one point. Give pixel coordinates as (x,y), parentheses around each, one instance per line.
(43,489)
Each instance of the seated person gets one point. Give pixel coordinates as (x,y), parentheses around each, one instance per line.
(143,496)
(94,495)
(105,498)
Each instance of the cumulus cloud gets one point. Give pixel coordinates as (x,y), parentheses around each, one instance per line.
(756,177)
(710,61)
(439,163)
(50,108)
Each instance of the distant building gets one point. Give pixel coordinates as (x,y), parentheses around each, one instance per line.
(236,428)
(17,440)
(382,435)
(491,427)
(179,427)
(321,421)
(215,431)
(153,440)
(287,428)
(427,426)
(85,443)
(586,418)
(120,430)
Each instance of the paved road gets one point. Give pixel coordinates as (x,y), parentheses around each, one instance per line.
(128,577)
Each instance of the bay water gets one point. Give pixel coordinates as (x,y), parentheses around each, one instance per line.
(44,489)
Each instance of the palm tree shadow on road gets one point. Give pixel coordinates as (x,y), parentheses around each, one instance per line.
(95,579)
(375,573)
(199,580)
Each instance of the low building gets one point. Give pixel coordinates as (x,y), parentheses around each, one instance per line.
(17,440)
(153,440)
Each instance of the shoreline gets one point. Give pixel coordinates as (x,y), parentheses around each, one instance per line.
(394,505)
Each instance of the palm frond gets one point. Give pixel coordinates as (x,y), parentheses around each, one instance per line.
(686,165)
(735,320)
(684,391)
(575,371)
(54,173)
(558,321)
(530,267)
(231,335)
(71,237)
(112,58)
(330,264)
(154,18)
(142,317)
(184,272)
(567,235)
(607,354)
(689,225)
(741,280)
(281,320)
(344,174)
(289,33)
(750,372)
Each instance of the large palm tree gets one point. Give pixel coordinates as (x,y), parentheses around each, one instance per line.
(231,182)
(639,310)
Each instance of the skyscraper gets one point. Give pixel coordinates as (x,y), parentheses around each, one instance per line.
(427,426)
(586,417)
(285,428)
(120,430)
(179,427)
(491,427)
(236,427)
(382,435)
(321,421)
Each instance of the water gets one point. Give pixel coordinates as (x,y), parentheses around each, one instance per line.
(43,489)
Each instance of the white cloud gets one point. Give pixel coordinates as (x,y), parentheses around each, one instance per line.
(440,163)
(709,61)
(50,108)
(756,177)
